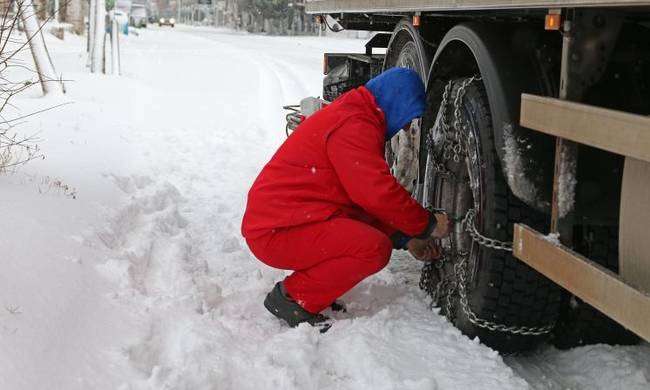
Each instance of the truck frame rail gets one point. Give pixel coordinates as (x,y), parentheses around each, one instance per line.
(392,6)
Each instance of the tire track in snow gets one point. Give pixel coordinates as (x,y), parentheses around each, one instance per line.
(308,81)
(293,85)
(270,88)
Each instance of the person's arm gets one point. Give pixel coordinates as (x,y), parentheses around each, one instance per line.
(355,151)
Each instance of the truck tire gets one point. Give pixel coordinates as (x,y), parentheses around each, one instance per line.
(580,323)
(402,151)
(508,305)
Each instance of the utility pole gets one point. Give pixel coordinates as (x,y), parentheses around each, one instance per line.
(115,48)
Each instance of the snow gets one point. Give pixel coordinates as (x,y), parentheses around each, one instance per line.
(589,367)
(142,281)
(567,182)
(514,169)
(553,238)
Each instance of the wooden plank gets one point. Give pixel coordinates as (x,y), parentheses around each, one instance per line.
(357,6)
(589,281)
(566,152)
(563,200)
(614,131)
(634,245)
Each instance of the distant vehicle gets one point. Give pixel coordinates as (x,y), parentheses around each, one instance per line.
(138,17)
(166,22)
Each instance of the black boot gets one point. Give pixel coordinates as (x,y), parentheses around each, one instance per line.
(338,306)
(285,308)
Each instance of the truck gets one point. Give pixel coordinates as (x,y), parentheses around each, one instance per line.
(138,15)
(536,142)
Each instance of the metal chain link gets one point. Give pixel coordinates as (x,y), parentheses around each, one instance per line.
(448,283)
(458,147)
(477,237)
(460,269)
(443,128)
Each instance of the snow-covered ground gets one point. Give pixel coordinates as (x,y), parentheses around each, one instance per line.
(141,279)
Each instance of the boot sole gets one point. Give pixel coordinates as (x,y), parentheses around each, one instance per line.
(268,304)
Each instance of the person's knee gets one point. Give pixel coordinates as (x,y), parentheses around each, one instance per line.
(380,253)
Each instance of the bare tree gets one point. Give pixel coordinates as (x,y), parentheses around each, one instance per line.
(16,76)
(43,65)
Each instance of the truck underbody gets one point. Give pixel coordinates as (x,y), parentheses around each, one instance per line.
(570,157)
(390,6)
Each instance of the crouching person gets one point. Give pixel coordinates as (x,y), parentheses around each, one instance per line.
(327,207)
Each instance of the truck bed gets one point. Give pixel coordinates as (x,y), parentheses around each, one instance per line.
(352,6)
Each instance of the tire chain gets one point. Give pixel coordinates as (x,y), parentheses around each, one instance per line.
(449,284)
(477,237)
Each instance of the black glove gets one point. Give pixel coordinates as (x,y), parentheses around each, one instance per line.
(399,240)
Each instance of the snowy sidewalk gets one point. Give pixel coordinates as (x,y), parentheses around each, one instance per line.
(143,280)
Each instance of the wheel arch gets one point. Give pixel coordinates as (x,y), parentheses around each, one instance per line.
(503,58)
(405,30)
(407,173)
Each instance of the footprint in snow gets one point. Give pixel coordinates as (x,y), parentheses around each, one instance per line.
(231,245)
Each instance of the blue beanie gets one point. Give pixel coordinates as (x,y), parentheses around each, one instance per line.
(399,93)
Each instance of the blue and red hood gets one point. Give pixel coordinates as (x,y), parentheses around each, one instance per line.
(400,94)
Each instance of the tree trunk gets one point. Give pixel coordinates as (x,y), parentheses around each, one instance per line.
(74,14)
(91,31)
(97,44)
(57,5)
(44,68)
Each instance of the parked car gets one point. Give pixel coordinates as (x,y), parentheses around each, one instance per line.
(138,16)
(166,22)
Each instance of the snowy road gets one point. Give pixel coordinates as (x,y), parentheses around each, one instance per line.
(143,280)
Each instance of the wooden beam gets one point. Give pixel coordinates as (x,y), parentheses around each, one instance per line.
(589,281)
(633,242)
(566,152)
(614,131)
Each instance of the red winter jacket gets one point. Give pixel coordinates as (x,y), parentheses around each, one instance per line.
(332,164)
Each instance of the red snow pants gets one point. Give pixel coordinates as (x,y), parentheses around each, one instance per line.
(329,257)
